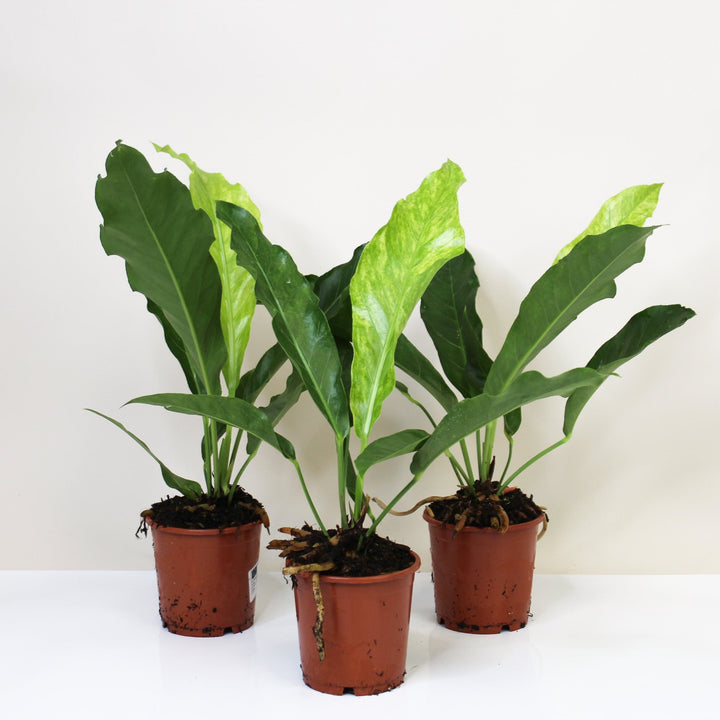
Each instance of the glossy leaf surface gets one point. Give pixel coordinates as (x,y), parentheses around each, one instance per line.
(150,221)
(300,326)
(579,280)
(423,233)
(632,206)
(472,414)
(227,410)
(238,297)
(448,310)
(641,330)
(400,443)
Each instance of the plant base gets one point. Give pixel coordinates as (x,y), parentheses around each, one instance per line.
(206,578)
(482,579)
(363,634)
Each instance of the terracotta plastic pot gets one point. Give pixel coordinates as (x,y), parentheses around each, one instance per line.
(482,579)
(207,578)
(364,631)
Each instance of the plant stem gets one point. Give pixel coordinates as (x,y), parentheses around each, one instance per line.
(306,492)
(468,462)
(463,479)
(239,475)
(511,442)
(488,447)
(391,505)
(341,448)
(533,460)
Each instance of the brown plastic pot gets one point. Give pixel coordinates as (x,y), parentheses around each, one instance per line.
(482,579)
(365,631)
(206,578)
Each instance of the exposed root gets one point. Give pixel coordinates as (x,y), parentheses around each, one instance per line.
(318,626)
(415,507)
(314,568)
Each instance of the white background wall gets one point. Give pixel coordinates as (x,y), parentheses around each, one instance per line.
(328,112)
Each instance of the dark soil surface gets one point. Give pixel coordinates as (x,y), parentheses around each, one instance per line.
(339,554)
(485,508)
(205,512)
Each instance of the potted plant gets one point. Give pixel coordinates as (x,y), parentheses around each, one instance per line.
(178,255)
(488,528)
(352,587)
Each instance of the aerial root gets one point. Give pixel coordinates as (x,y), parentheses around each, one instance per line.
(415,507)
(318,626)
(310,568)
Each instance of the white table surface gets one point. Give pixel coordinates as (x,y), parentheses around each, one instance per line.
(91,645)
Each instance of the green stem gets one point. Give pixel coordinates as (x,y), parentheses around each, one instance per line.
(409,397)
(240,472)
(391,505)
(488,447)
(306,492)
(533,460)
(511,442)
(463,479)
(341,448)
(468,462)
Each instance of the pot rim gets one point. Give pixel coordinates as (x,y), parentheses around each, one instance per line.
(368,579)
(518,527)
(202,532)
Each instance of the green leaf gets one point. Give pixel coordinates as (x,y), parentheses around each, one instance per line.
(253,381)
(473,414)
(238,297)
(150,221)
(333,292)
(632,206)
(189,488)
(448,310)
(578,281)
(641,330)
(411,361)
(400,443)
(423,233)
(300,326)
(280,404)
(228,410)
(176,346)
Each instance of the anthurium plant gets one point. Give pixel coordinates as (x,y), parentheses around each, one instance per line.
(178,255)
(488,392)
(341,330)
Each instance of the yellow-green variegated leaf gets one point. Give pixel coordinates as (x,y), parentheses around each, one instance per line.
(423,233)
(632,206)
(238,295)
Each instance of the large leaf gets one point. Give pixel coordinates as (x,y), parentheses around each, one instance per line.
(579,280)
(300,326)
(227,410)
(632,206)
(640,331)
(150,221)
(411,361)
(238,298)
(448,310)
(472,414)
(423,233)
(189,488)
(390,446)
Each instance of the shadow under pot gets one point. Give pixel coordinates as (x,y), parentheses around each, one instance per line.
(206,578)
(353,631)
(482,579)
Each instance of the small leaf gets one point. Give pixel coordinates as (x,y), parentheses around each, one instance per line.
(641,330)
(253,381)
(400,443)
(395,268)
(473,414)
(228,410)
(632,206)
(411,361)
(189,488)
(300,326)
